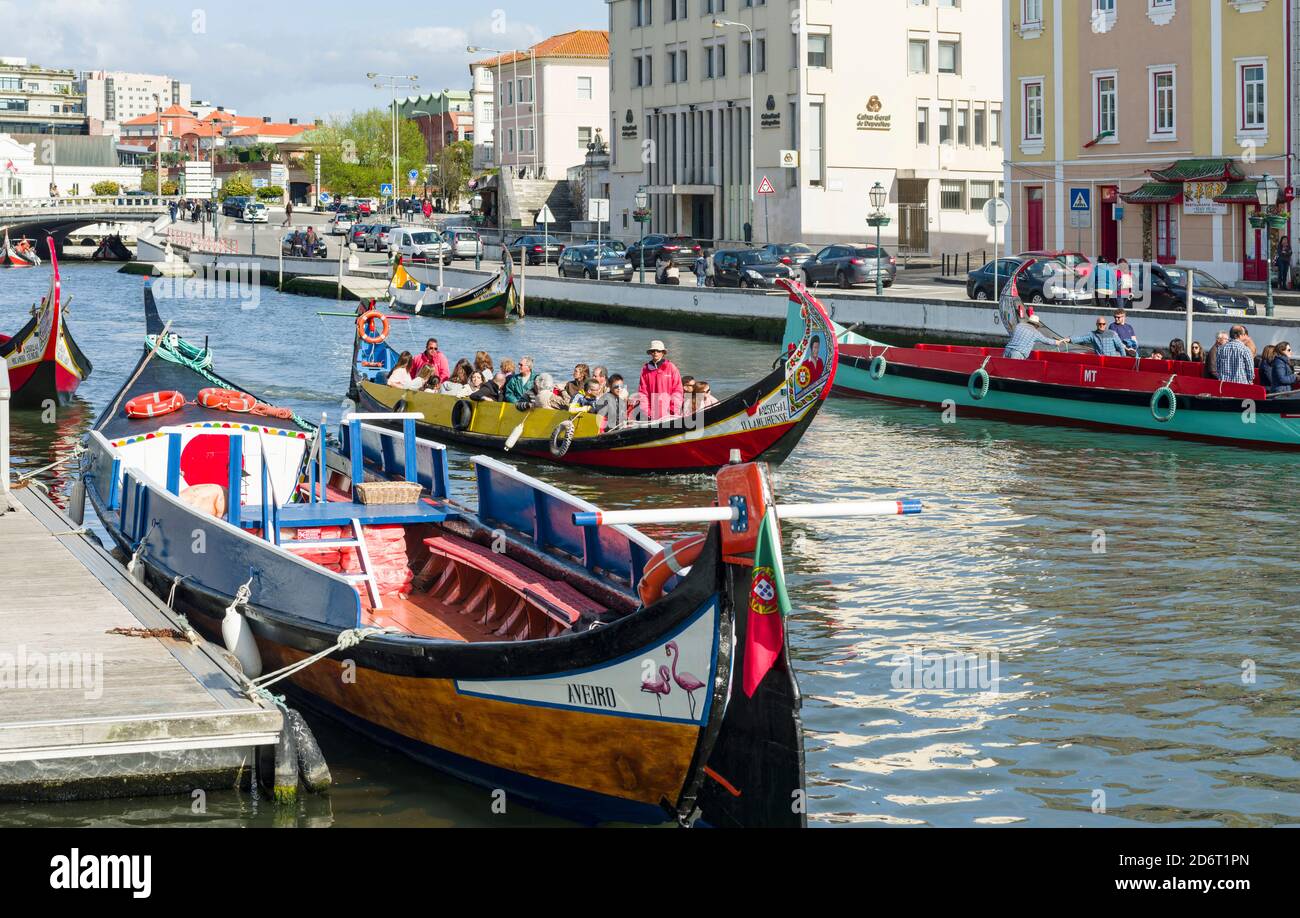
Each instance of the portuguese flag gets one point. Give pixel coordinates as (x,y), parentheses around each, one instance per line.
(768,605)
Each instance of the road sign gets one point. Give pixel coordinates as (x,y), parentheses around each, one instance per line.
(1080,199)
(765,186)
(386,190)
(544,215)
(1080,219)
(997,212)
(598,210)
(261,183)
(413,175)
(326,197)
(789,159)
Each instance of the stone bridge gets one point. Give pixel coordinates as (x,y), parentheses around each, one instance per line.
(39,217)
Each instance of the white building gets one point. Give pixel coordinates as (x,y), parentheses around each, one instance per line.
(906,93)
(42,100)
(483,105)
(549,100)
(31,163)
(115,96)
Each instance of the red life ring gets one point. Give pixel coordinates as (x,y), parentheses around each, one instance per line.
(364,323)
(155,404)
(667,563)
(226,400)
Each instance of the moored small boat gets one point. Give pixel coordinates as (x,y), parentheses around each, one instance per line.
(22,255)
(522,643)
(45,364)
(414,289)
(764,421)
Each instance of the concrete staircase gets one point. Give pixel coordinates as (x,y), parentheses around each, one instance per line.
(522,199)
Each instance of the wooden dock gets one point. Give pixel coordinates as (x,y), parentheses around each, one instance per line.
(88,711)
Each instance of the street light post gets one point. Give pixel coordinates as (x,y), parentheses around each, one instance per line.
(1266,192)
(158,145)
(408,83)
(753,153)
(642,205)
(878,219)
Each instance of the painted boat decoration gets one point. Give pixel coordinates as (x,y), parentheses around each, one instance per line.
(414,289)
(1127,394)
(506,643)
(764,421)
(22,255)
(45,364)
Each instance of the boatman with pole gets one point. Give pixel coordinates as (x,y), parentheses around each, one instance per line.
(1024,336)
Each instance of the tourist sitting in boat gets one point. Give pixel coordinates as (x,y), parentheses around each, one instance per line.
(1197,353)
(587,400)
(483,364)
(1276,374)
(613,405)
(543,394)
(426,380)
(1025,336)
(432,355)
(1157,355)
(519,385)
(1234,362)
(660,392)
(1177,350)
(578,385)
(458,383)
(1211,359)
(704,397)
(1125,331)
(601,375)
(400,377)
(1104,341)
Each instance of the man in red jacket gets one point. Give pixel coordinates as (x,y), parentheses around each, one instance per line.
(660,392)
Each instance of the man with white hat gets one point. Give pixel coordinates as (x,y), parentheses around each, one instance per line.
(660,392)
(1025,336)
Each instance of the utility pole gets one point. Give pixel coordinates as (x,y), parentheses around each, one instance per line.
(395,82)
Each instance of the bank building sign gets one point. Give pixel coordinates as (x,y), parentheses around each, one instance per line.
(872,119)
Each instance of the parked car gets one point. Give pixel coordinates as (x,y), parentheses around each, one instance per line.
(256,213)
(794,254)
(465,243)
(1076,261)
(614,245)
(746,268)
(979,283)
(646,252)
(295,244)
(376,239)
(535,249)
(425,244)
(1168,290)
(234,205)
(357,234)
(341,223)
(847,265)
(594,262)
(1051,280)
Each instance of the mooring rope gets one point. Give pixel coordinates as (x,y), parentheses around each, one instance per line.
(45,468)
(347,639)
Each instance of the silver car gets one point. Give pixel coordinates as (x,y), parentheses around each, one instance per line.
(465,243)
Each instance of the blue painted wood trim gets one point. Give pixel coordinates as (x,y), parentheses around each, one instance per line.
(174,463)
(408,441)
(235,481)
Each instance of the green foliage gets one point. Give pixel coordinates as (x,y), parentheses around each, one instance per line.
(106,188)
(270,193)
(356,153)
(171,186)
(149,181)
(455,164)
(241,183)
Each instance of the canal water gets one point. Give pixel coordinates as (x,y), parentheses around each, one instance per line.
(1081,629)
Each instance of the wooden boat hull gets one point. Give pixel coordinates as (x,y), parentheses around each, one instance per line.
(1244,417)
(45,364)
(764,422)
(495,299)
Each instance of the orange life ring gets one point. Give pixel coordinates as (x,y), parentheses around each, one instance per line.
(364,322)
(667,563)
(226,400)
(155,404)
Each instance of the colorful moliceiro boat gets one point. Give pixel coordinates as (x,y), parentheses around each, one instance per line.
(1165,397)
(763,421)
(523,643)
(414,289)
(45,364)
(21,256)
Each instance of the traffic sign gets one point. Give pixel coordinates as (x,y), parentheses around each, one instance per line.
(261,183)
(1080,199)
(545,216)
(765,186)
(413,175)
(1080,219)
(997,212)
(326,197)
(386,190)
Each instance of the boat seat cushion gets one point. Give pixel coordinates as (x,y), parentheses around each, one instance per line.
(517,576)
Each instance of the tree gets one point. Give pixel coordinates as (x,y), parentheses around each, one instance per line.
(170,186)
(241,183)
(356,153)
(455,164)
(149,181)
(106,188)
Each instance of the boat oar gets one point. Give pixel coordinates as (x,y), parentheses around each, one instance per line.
(846,508)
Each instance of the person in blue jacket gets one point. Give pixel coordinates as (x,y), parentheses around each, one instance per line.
(1277,374)
(1104,341)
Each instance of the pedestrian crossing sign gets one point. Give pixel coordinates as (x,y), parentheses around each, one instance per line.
(1080,199)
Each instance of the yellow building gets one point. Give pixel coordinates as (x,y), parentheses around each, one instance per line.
(1139,128)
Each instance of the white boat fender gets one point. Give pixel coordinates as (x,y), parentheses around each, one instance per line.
(277,767)
(313,770)
(238,636)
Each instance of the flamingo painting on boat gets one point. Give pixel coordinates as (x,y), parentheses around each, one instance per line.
(658,687)
(685,681)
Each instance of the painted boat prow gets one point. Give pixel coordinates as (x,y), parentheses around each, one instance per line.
(45,363)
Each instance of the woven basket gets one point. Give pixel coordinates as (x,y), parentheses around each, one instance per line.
(389,492)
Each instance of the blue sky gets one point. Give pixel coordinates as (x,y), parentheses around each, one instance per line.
(306,59)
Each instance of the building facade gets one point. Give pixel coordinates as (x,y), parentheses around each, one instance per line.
(548,102)
(116,96)
(483,106)
(39,100)
(1139,128)
(443,118)
(906,93)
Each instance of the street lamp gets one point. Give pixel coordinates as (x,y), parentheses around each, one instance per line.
(642,206)
(395,82)
(158,145)
(1266,191)
(878,219)
(722,24)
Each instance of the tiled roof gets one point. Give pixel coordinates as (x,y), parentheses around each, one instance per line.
(1239,193)
(1155,193)
(1200,170)
(582,43)
(273,130)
